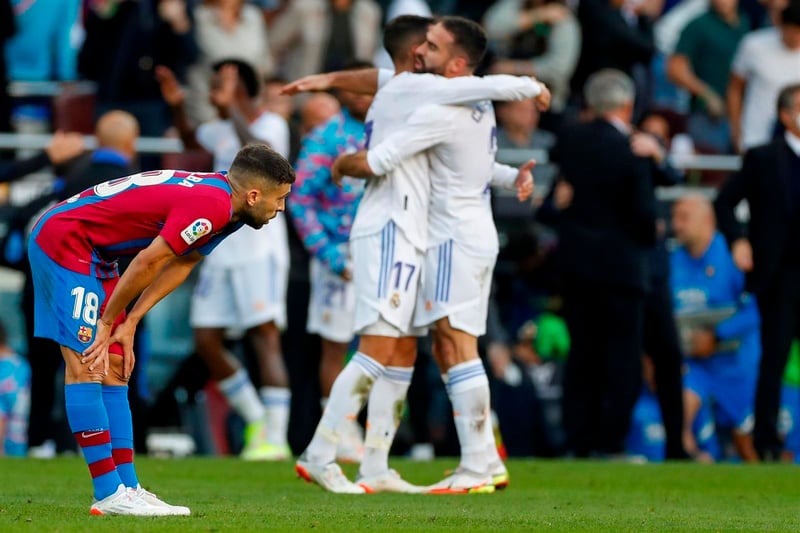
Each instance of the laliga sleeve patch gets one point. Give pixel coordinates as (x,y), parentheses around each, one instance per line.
(195,230)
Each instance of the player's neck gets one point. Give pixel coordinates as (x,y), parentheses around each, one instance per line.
(236,197)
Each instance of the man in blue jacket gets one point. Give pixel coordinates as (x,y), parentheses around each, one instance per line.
(719,327)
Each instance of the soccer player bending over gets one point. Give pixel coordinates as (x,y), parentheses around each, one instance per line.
(169,220)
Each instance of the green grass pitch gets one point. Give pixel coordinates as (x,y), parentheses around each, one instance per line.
(230,495)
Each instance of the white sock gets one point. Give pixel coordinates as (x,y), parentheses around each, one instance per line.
(468,389)
(277,401)
(491,444)
(384,411)
(348,395)
(242,396)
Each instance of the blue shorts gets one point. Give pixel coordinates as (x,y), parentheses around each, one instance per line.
(732,397)
(67,304)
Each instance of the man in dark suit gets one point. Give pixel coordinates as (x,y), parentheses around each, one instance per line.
(769,252)
(605,233)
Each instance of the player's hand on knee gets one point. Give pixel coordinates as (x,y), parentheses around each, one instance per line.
(96,355)
(124,334)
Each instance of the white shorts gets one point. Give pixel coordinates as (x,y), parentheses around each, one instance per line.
(386,270)
(455,284)
(332,304)
(241,296)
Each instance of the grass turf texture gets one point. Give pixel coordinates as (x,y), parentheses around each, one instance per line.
(230,495)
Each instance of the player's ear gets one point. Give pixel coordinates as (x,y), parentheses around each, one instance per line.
(252,197)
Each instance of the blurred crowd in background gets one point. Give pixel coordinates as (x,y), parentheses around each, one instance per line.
(706,75)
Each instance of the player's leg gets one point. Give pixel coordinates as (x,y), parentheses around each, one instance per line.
(349,394)
(384,412)
(734,398)
(456,352)
(261,288)
(383,314)
(330,315)
(115,400)
(275,393)
(459,317)
(215,307)
(66,308)
(693,393)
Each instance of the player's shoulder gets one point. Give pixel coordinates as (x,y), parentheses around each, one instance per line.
(407,81)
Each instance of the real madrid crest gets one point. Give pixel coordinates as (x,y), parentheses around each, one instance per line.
(395,300)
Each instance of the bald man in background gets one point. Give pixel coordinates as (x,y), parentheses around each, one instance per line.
(115,156)
(318,109)
(719,327)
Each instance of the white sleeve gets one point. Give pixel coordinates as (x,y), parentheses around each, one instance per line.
(431,89)
(385,75)
(503,176)
(427,127)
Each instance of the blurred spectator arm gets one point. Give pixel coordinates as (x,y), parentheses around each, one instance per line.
(286,30)
(62,148)
(563,49)
(681,71)
(506,18)
(313,173)
(735,100)
(178,46)
(175,97)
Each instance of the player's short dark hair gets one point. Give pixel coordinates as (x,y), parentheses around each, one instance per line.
(259,160)
(468,35)
(247,74)
(357,64)
(786,96)
(403,31)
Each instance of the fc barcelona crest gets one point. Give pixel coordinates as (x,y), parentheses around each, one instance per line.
(85,334)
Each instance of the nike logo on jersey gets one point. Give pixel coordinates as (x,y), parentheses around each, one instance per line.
(90,435)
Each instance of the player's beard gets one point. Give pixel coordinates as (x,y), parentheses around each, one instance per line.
(253,221)
(420,67)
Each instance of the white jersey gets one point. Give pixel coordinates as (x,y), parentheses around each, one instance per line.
(401,190)
(219,137)
(460,142)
